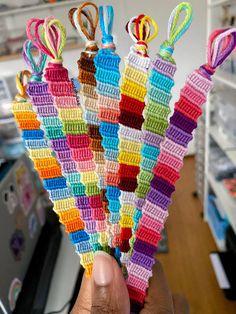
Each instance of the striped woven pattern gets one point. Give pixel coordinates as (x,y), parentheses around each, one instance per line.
(107,76)
(50,173)
(157,109)
(166,172)
(88,89)
(133,90)
(76,134)
(48,114)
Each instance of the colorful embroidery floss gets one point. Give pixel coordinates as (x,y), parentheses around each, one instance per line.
(47,166)
(166,172)
(70,113)
(133,90)
(43,105)
(157,109)
(107,76)
(88,87)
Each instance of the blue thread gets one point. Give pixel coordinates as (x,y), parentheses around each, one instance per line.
(35,144)
(160,81)
(32,134)
(55,183)
(59,194)
(106,29)
(150,152)
(110,143)
(113,192)
(109,129)
(83,247)
(148,164)
(36,68)
(79,236)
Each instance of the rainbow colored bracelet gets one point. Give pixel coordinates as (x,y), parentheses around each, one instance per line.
(51,173)
(43,103)
(166,172)
(133,90)
(64,97)
(107,76)
(88,89)
(157,109)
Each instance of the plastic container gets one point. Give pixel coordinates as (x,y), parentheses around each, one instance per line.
(218,223)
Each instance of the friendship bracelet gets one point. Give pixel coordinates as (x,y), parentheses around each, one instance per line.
(43,105)
(74,127)
(59,107)
(48,168)
(157,108)
(166,172)
(107,76)
(38,91)
(88,88)
(133,90)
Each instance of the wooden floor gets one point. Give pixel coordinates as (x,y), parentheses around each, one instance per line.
(187,265)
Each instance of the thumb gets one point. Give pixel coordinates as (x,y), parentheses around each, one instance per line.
(109,291)
(105,291)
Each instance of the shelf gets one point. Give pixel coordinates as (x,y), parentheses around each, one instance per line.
(40,7)
(222,141)
(220,2)
(220,243)
(228,147)
(228,203)
(19,55)
(227,78)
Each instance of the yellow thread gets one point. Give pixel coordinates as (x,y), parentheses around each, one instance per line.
(64,204)
(129,146)
(87,258)
(126,222)
(72,114)
(133,90)
(129,159)
(103,238)
(40,153)
(21,107)
(135,75)
(20,84)
(127,210)
(89,177)
(145,36)
(57,49)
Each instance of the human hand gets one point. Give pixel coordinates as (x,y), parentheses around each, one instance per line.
(106,291)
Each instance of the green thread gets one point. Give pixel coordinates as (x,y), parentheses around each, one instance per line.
(174,31)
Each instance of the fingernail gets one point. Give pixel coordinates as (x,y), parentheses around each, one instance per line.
(102,269)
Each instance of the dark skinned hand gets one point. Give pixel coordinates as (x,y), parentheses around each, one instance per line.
(106,291)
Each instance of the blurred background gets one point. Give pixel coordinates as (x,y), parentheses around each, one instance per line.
(199,247)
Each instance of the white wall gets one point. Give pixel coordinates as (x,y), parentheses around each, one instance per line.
(189,52)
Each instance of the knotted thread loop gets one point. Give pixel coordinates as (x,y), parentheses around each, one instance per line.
(87,28)
(54,34)
(106,16)
(166,50)
(21,84)
(141,34)
(36,67)
(176,32)
(220,45)
(52,39)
